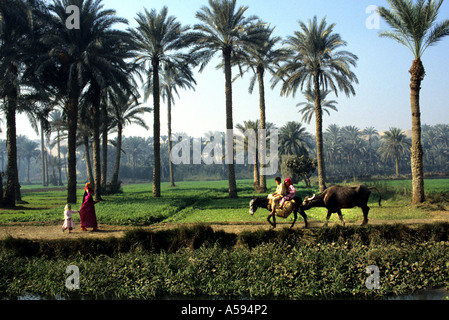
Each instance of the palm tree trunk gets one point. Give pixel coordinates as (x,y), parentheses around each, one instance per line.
(396,157)
(156,130)
(104,149)
(170,164)
(90,176)
(229,123)
(117,156)
(43,156)
(11,167)
(319,134)
(256,175)
(262,144)
(28,169)
(417,72)
(72,119)
(59,158)
(18,194)
(96,144)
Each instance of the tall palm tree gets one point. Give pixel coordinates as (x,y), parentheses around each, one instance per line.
(106,66)
(66,65)
(394,144)
(414,26)
(159,39)
(224,28)
(172,77)
(316,63)
(259,59)
(16,23)
(126,110)
(308,110)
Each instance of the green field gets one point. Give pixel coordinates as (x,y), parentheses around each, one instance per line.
(208,202)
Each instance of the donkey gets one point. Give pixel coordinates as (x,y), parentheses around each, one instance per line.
(263,203)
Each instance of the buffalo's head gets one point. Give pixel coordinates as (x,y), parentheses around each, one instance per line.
(307,202)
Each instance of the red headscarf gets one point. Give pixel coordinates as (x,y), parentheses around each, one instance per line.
(288,182)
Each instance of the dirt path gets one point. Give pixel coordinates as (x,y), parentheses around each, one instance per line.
(47,231)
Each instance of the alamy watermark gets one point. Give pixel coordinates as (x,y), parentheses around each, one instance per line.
(228,148)
(72,21)
(373,20)
(73,280)
(373,281)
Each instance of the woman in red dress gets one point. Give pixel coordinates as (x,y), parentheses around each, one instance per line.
(88,218)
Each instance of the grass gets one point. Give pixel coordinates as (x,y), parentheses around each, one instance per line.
(208,202)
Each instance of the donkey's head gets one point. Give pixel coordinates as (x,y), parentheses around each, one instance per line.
(252,205)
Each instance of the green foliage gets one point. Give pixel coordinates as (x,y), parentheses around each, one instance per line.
(295,264)
(298,168)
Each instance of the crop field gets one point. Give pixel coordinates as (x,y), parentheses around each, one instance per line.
(207,202)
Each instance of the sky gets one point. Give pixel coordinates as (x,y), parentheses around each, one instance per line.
(382,97)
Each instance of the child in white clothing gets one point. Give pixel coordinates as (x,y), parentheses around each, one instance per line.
(68,221)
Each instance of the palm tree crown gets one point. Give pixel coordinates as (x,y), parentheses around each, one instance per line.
(224,28)
(414,25)
(309,107)
(294,139)
(314,58)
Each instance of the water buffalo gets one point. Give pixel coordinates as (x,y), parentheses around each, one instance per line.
(336,198)
(263,203)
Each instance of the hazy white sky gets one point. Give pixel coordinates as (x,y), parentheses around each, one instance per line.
(382,97)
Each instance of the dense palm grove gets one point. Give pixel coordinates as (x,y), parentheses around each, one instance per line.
(349,152)
(78,87)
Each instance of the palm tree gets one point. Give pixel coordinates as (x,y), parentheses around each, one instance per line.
(15,27)
(259,59)
(316,63)
(309,107)
(394,144)
(29,150)
(353,146)
(159,39)
(293,139)
(414,26)
(105,67)
(225,29)
(172,77)
(333,145)
(66,68)
(126,110)
(370,133)
(57,123)
(243,128)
